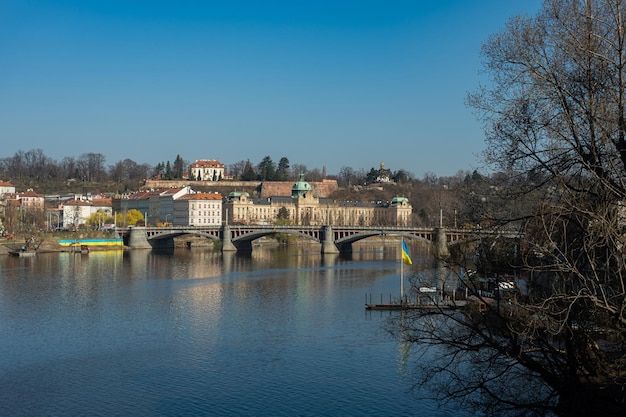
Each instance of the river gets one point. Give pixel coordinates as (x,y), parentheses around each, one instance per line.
(190,332)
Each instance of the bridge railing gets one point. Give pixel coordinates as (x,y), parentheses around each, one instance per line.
(459,231)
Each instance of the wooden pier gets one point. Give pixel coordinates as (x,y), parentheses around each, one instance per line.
(421,303)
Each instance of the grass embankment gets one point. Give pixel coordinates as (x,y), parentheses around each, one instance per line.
(48,241)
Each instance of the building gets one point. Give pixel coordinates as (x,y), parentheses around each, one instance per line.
(139,201)
(383,175)
(19,208)
(6,188)
(30,200)
(75,212)
(179,206)
(162,205)
(207,170)
(303,207)
(198,209)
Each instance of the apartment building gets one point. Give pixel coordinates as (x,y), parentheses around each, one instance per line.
(198,209)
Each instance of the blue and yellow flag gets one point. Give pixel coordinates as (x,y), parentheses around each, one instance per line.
(405,254)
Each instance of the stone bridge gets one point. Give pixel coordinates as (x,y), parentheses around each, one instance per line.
(333,239)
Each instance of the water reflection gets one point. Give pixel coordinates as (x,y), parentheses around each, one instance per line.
(192,332)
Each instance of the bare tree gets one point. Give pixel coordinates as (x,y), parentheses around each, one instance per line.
(296,170)
(117,172)
(69,168)
(237,168)
(16,165)
(314,175)
(91,166)
(36,163)
(128,170)
(555,123)
(346,176)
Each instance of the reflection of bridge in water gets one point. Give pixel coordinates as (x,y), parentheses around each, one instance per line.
(333,239)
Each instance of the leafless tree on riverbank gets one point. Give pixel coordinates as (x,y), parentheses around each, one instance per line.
(555,121)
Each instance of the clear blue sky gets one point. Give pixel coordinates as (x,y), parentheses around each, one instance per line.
(326,83)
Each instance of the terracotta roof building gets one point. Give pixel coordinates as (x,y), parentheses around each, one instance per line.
(201,209)
(6,188)
(30,199)
(207,170)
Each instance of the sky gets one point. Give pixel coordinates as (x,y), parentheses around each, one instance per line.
(325,83)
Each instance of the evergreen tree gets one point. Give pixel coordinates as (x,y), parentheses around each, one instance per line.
(266,169)
(248,173)
(371,176)
(179,167)
(282,172)
(159,170)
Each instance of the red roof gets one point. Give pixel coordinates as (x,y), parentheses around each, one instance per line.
(142,195)
(207,163)
(105,202)
(201,196)
(29,193)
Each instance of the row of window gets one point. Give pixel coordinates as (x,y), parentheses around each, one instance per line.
(206,205)
(195,222)
(206,213)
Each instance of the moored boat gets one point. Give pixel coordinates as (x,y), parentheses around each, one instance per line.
(28,249)
(23,252)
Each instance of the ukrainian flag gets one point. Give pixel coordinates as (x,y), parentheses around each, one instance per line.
(405,254)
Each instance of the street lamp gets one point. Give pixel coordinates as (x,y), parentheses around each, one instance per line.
(166,222)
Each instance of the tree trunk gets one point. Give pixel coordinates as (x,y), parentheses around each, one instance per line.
(592,400)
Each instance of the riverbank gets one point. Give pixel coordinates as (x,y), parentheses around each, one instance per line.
(51,244)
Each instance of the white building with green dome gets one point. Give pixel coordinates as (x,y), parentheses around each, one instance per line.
(303,207)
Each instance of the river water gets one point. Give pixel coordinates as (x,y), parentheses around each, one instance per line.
(278,332)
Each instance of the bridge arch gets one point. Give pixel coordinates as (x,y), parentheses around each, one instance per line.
(244,241)
(172,235)
(345,243)
(166,239)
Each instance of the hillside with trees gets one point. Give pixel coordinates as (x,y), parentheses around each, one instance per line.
(434,199)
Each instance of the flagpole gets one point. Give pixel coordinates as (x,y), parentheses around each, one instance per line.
(401,272)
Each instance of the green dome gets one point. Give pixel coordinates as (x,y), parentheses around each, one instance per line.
(300,188)
(396,201)
(238,195)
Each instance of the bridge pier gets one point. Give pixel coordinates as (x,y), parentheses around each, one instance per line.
(328,244)
(440,243)
(227,240)
(137,238)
